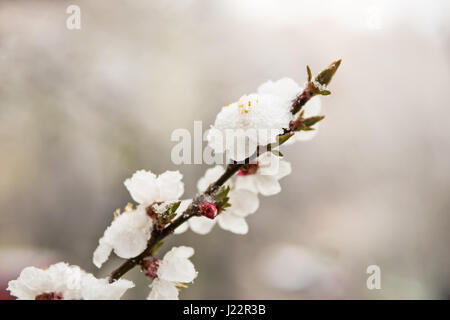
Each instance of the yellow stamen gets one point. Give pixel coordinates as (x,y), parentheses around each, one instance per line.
(181,285)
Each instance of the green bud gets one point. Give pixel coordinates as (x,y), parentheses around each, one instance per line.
(308,70)
(172,208)
(309,122)
(325,92)
(283,138)
(324,78)
(157,246)
(221,198)
(277,153)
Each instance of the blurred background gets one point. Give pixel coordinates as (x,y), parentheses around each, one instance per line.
(81,110)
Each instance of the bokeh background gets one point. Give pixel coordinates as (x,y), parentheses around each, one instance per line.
(81,110)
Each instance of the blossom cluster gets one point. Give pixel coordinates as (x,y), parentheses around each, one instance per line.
(258,120)
(65,282)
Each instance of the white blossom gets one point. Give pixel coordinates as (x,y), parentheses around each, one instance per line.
(145,188)
(100,289)
(287,89)
(127,235)
(173,269)
(211,175)
(129,232)
(243,203)
(63,281)
(201,225)
(265,177)
(255,119)
(163,290)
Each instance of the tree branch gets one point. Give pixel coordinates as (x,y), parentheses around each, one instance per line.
(311,90)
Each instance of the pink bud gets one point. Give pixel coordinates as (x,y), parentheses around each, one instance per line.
(151,267)
(208,209)
(248,169)
(150,212)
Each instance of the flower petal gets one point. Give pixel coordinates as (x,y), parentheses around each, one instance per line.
(269,164)
(267,185)
(243,202)
(179,252)
(210,176)
(163,290)
(100,289)
(201,225)
(170,186)
(216,140)
(127,235)
(175,266)
(31,282)
(241,144)
(142,187)
(284,169)
(181,228)
(58,278)
(246,183)
(101,254)
(230,222)
(285,88)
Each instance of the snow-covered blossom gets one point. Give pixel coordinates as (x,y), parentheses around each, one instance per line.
(127,235)
(145,188)
(243,203)
(263,177)
(65,282)
(255,119)
(173,270)
(287,89)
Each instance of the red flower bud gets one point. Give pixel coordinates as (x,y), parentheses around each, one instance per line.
(150,267)
(248,169)
(208,209)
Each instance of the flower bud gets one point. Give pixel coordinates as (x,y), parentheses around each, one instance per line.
(150,267)
(248,169)
(208,209)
